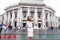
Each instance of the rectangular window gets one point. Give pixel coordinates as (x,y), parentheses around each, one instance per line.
(32,13)
(39,12)
(46,15)
(24,24)
(11,14)
(15,23)
(24,13)
(46,24)
(15,15)
(3,17)
(15,11)
(39,25)
(7,14)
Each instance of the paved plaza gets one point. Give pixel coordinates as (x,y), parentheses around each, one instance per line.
(39,34)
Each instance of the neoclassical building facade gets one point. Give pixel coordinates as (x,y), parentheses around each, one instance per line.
(0,19)
(16,14)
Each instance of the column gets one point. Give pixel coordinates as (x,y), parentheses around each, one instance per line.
(43,19)
(18,17)
(13,16)
(28,14)
(21,17)
(48,19)
(51,19)
(35,19)
(4,18)
(8,16)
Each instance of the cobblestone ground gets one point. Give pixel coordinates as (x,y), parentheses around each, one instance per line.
(38,35)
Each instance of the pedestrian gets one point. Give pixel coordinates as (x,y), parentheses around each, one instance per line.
(5,27)
(29,26)
(9,27)
(1,28)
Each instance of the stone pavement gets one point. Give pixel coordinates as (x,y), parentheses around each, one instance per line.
(38,35)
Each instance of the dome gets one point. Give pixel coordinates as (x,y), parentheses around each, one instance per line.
(31,1)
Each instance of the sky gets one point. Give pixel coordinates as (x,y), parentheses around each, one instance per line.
(55,4)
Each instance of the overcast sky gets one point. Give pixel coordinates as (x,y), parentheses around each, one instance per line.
(55,4)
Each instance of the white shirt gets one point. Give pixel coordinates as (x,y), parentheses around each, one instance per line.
(4,27)
(29,26)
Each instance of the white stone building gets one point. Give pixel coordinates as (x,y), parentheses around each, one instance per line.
(0,19)
(42,14)
(56,22)
(59,21)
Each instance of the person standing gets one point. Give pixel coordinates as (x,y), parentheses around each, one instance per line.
(29,26)
(10,27)
(1,28)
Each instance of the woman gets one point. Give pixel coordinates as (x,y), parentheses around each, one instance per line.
(29,28)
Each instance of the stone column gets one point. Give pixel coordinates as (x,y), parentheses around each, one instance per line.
(48,19)
(51,19)
(17,17)
(4,18)
(43,19)
(21,16)
(13,18)
(35,19)
(28,14)
(8,16)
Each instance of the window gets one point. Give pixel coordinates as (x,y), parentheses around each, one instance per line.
(39,11)
(46,15)
(24,24)
(50,16)
(7,13)
(39,25)
(46,24)
(11,14)
(39,14)
(15,11)
(15,14)
(32,13)
(10,22)
(3,17)
(24,13)
(15,23)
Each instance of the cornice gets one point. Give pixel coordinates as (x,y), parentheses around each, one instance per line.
(23,4)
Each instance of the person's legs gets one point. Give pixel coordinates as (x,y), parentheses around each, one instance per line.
(29,38)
